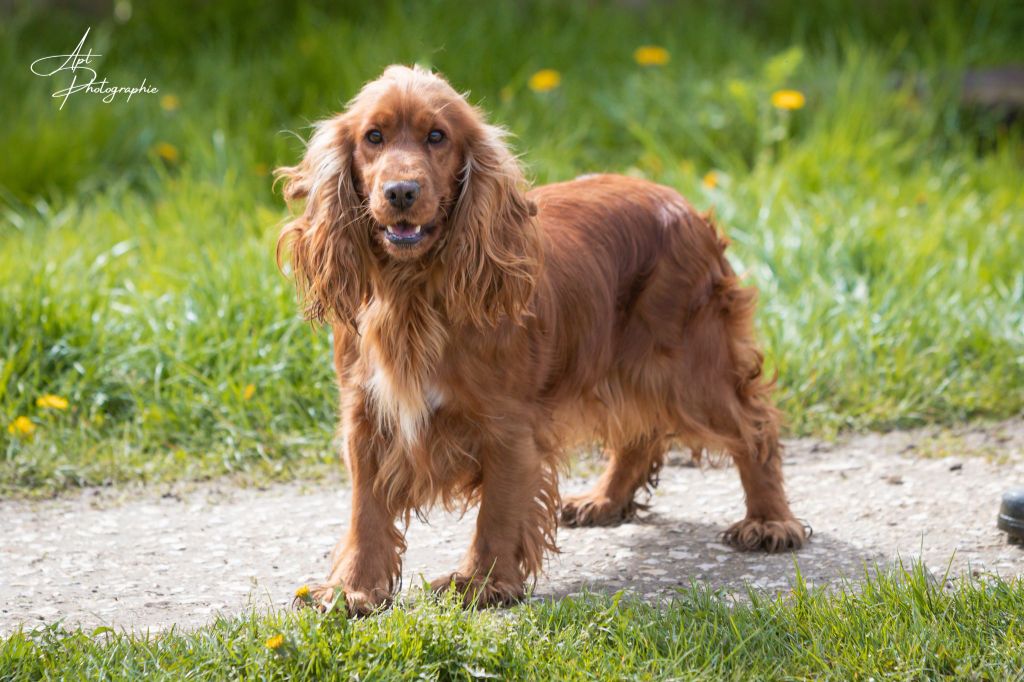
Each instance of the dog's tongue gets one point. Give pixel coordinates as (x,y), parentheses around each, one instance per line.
(404,229)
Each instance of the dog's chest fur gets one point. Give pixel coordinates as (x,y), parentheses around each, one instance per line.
(403,347)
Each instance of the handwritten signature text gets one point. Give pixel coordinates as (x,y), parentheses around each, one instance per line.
(78,65)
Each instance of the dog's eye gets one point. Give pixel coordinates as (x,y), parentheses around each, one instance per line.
(435,137)
(374,137)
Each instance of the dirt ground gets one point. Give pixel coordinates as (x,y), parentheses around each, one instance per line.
(179,556)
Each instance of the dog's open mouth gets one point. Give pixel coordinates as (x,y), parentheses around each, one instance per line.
(404,233)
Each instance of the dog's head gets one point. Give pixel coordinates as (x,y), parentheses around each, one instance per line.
(410,180)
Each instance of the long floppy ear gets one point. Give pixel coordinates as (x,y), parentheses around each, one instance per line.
(328,255)
(494,255)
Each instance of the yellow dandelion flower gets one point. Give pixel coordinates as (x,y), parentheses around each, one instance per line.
(275,642)
(651,55)
(170,103)
(302,593)
(710,180)
(788,99)
(22,427)
(52,402)
(545,80)
(248,392)
(167,151)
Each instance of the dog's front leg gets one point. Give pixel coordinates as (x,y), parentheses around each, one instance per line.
(367,561)
(515,526)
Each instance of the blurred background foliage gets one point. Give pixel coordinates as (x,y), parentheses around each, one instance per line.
(881,216)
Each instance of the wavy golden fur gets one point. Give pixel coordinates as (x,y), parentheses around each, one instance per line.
(480,330)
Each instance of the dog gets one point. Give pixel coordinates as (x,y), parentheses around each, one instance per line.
(480,329)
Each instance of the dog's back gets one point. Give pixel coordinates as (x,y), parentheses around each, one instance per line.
(632,267)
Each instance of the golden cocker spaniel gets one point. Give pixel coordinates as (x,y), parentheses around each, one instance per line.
(480,329)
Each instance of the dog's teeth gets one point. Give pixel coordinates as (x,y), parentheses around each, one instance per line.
(417,230)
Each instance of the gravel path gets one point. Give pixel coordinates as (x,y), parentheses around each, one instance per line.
(150,561)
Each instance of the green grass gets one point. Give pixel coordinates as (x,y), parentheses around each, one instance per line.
(896,626)
(883,225)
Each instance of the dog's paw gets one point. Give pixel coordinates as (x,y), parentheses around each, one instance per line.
(357,602)
(480,592)
(589,509)
(771,536)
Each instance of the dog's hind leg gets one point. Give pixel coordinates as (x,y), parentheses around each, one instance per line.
(769,524)
(613,499)
(730,403)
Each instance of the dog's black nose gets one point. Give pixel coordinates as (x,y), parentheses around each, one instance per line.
(401,193)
